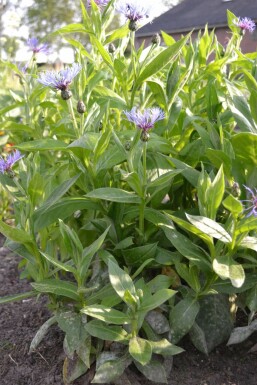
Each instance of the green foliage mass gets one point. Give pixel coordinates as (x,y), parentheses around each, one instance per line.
(138,237)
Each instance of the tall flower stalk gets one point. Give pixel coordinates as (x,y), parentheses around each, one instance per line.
(61,81)
(145,121)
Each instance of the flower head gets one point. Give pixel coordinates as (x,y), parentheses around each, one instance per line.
(6,164)
(99,3)
(60,80)
(133,11)
(145,120)
(35,47)
(245,24)
(252,209)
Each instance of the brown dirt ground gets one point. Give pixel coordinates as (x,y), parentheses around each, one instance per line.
(19,322)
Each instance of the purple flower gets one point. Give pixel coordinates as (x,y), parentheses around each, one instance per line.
(132,10)
(60,80)
(245,24)
(35,47)
(6,164)
(252,202)
(145,120)
(99,3)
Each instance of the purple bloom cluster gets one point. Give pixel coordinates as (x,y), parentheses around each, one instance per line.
(245,24)
(99,3)
(145,120)
(252,201)
(132,10)
(60,80)
(35,47)
(6,164)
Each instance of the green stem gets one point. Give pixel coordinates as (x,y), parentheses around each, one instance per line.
(82,119)
(71,111)
(143,199)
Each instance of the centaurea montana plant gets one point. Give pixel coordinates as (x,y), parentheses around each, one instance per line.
(133,11)
(245,24)
(145,120)
(99,3)
(60,80)
(7,164)
(252,209)
(36,47)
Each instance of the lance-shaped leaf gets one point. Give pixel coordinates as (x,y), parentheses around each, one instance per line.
(226,267)
(154,301)
(140,350)
(210,227)
(110,366)
(58,287)
(121,281)
(40,334)
(106,314)
(89,252)
(114,195)
(182,317)
(99,329)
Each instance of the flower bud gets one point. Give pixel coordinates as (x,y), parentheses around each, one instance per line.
(111,48)
(133,25)
(66,94)
(144,136)
(156,39)
(235,190)
(127,145)
(81,108)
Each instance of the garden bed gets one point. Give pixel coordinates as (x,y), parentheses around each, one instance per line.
(20,321)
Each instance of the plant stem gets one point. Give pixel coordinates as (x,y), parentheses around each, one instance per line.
(143,199)
(71,111)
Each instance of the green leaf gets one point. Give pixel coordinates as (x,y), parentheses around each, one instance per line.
(114,195)
(161,60)
(58,287)
(165,348)
(140,350)
(215,193)
(106,314)
(246,224)
(213,323)
(89,252)
(240,334)
(161,296)
(210,227)
(103,52)
(226,267)
(16,235)
(233,205)
(182,317)
(42,145)
(54,197)
(63,208)
(40,334)
(17,297)
(245,147)
(71,28)
(249,243)
(110,366)
(74,327)
(188,249)
(138,255)
(59,264)
(121,281)
(154,371)
(105,332)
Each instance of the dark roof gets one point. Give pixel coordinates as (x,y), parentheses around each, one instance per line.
(196,14)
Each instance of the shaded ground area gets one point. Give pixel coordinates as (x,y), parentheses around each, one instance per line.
(19,322)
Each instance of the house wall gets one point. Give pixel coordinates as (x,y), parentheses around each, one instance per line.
(248,44)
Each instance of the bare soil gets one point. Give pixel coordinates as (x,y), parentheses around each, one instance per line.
(20,321)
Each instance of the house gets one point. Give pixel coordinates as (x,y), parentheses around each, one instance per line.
(195,14)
